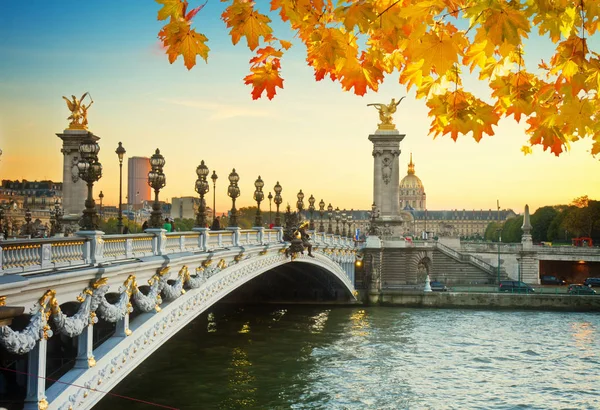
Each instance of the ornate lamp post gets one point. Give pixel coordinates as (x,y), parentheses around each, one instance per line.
(270,198)
(258,197)
(120,151)
(300,202)
(58,214)
(202,188)
(350,230)
(278,201)
(311,210)
(214,178)
(156,180)
(90,171)
(329,215)
(233,191)
(337,220)
(344,220)
(321,212)
(101,196)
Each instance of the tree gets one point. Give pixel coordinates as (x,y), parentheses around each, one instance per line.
(428,44)
(556,230)
(583,215)
(511,231)
(491,232)
(540,222)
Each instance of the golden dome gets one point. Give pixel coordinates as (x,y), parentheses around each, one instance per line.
(411,180)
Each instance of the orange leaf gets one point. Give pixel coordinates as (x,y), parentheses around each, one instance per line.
(245,21)
(264,78)
(191,45)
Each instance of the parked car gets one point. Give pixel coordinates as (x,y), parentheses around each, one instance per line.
(438,286)
(515,286)
(552,280)
(593,282)
(579,289)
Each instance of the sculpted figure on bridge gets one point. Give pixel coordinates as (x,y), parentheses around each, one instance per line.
(78,110)
(385,113)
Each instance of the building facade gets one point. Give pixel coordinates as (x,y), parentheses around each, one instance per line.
(445,223)
(30,194)
(138,190)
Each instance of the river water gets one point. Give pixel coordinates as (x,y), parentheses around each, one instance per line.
(301,357)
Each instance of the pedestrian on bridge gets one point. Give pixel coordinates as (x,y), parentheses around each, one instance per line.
(167,225)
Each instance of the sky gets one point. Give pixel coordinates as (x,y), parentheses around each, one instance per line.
(312,136)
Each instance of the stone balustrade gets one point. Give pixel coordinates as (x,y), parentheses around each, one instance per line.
(89,248)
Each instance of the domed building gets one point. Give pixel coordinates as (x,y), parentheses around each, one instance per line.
(448,223)
(412,193)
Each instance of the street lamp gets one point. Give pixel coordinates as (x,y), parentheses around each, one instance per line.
(58,214)
(344,219)
(321,212)
(329,215)
(337,220)
(278,200)
(90,171)
(233,191)
(258,197)
(300,202)
(120,151)
(499,242)
(311,209)
(214,178)
(156,180)
(202,188)
(101,196)
(350,230)
(270,198)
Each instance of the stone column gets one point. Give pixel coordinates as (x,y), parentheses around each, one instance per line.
(386,171)
(526,239)
(74,190)
(36,382)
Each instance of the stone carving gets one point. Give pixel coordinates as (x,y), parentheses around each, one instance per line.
(386,169)
(152,300)
(172,292)
(74,325)
(25,340)
(112,312)
(74,169)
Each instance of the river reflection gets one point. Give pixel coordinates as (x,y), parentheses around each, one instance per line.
(298,357)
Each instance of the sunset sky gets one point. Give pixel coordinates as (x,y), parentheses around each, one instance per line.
(311,136)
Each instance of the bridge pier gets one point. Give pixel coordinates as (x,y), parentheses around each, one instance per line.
(36,380)
(85,349)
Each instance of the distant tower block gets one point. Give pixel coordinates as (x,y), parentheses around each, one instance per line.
(74,189)
(138,189)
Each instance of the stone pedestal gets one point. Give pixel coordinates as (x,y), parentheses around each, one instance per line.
(74,190)
(386,181)
(386,171)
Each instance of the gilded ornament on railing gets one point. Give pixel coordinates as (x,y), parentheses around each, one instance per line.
(222,264)
(385,113)
(78,110)
(207,263)
(2,300)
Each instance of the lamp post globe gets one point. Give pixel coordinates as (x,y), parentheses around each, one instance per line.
(329,216)
(214,178)
(90,171)
(311,210)
(270,197)
(258,197)
(233,191)
(300,202)
(278,200)
(202,188)
(321,213)
(120,151)
(156,180)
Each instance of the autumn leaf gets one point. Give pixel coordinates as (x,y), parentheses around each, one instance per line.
(264,78)
(244,21)
(191,45)
(171,8)
(526,150)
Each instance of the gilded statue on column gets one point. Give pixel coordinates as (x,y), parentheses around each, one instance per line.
(385,113)
(79,111)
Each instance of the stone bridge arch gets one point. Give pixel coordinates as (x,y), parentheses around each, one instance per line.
(138,339)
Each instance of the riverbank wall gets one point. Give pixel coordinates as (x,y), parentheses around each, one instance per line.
(413,298)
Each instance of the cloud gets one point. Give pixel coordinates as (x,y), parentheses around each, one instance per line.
(220,111)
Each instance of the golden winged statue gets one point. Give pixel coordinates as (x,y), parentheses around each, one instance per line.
(78,110)
(385,113)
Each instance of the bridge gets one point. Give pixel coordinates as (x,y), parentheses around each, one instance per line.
(118,298)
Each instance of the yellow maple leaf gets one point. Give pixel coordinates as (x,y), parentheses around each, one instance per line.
(244,21)
(193,44)
(505,24)
(526,150)
(439,49)
(170,8)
